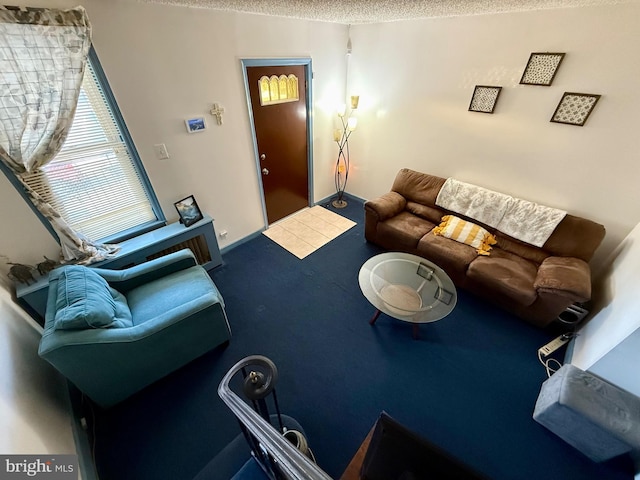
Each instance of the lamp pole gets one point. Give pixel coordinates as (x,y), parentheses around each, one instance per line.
(341,137)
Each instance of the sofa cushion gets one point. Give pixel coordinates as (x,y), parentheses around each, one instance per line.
(83,299)
(520,248)
(453,257)
(466,232)
(404,230)
(417,187)
(565,276)
(432,214)
(506,273)
(575,237)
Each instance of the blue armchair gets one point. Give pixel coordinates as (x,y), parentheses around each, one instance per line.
(113,332)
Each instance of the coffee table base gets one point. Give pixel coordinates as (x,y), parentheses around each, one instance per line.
(416,327)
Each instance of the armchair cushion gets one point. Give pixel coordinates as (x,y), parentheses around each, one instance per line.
(176,296)
(85,300)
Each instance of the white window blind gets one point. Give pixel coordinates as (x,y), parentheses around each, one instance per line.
(93,182)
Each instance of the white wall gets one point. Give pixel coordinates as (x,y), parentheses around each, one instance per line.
(166,64)
(34,411)
(416,78)
(609,344)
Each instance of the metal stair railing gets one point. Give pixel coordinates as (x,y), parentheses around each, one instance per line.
(278,457)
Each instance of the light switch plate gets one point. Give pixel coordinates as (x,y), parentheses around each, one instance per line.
(161,151)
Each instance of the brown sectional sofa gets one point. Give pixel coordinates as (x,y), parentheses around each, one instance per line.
(536,284)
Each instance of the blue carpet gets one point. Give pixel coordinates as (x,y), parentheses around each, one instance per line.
(469,384)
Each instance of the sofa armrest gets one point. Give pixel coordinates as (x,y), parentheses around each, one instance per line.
(386,206)
(130,278)
(565,276)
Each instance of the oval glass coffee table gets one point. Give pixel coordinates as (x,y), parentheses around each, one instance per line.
(408,288)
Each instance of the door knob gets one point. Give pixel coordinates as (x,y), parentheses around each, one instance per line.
(265,171)
(262,157)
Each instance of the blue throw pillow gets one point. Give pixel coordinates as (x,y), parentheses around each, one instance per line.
(83,300)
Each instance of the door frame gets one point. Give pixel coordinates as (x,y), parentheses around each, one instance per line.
(308,71)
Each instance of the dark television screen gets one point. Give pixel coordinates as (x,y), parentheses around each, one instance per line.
(397,453)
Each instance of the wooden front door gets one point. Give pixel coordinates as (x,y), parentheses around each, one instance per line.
(280,125)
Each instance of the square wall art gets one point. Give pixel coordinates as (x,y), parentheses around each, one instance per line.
(541,68)
(575,108)
(484,99)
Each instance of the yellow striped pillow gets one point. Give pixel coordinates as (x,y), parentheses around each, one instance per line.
(466,232)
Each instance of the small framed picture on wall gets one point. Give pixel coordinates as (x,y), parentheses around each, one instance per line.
(484,99)
(195,124)
(575,108)
(541,68)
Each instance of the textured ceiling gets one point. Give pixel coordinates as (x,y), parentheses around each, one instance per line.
(373,11)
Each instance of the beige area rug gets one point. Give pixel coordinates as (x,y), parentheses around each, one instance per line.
(304,232)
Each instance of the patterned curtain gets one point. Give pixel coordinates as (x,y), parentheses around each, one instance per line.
(43,54)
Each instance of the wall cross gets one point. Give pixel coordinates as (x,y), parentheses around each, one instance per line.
(217,112)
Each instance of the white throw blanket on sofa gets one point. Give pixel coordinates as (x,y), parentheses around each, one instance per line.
(521,219)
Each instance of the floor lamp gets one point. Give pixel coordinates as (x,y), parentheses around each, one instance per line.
(341,137)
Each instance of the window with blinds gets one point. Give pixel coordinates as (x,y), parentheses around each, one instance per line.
(96,182)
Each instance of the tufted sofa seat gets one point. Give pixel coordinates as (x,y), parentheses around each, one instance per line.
(535,283)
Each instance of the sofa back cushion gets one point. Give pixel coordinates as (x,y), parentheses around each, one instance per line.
(520,248)
(418,187)
(575,237)
(433,214)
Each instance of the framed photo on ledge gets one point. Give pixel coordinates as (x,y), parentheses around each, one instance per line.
(189,211)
